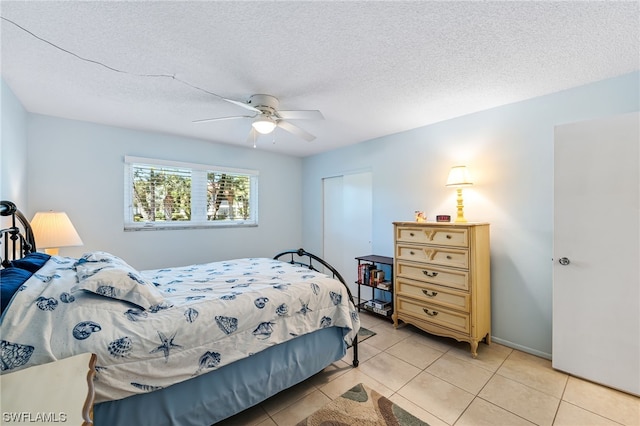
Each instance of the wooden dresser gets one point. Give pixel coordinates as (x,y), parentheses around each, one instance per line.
(442,279)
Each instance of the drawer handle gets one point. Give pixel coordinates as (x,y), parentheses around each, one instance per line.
(448,237)
(430,274)
(411,234)
(432,294)
(430,313)
(448,257)
(411,253)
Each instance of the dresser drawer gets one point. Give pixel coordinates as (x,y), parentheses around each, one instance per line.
(458,258)
(454,278)
(434,314)
(455,237)
(433,294)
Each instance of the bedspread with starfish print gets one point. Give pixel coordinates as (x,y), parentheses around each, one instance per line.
(210,315)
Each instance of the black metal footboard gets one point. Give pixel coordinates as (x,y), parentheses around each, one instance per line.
(304,258)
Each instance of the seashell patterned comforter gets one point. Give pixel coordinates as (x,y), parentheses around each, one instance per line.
(212,315)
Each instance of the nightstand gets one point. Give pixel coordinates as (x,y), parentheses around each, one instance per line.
(53,393)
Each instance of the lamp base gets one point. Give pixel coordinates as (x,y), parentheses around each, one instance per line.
(460,217)
(52,251)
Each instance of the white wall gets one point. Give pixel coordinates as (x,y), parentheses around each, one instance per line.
(78,167)
(13,148)
(510,153)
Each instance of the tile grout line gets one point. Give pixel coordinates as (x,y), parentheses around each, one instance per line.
(452,350)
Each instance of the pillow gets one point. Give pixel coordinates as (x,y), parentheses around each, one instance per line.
(31,262)
(108,275)
(100,256)
(11,279)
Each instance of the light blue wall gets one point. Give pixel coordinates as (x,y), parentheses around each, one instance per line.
(510,153)
(78,167)
(13,148)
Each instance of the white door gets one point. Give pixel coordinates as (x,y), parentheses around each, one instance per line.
(333,222)
(347,222)
(596,237)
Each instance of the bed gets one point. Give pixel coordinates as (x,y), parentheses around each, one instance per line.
(188,345)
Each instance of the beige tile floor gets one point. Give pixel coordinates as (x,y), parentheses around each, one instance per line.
(437,380)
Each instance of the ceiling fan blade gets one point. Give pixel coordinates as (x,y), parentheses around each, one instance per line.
(296,130)
(301,115)
(204,120)
(242,104)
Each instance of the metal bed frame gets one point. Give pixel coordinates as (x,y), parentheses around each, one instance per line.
(302,253)
(18,240)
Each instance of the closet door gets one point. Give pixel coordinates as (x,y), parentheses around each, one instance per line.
(347,222)
(596,236)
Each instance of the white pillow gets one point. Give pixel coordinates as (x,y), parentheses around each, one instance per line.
(107,275)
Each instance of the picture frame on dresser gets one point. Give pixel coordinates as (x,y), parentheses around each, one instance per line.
(442,279)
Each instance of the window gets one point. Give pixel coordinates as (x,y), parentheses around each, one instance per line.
(163,194)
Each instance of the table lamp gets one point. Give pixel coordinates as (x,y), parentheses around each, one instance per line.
(53,230)
(459,178)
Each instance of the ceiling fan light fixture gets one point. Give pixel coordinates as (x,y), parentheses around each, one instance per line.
(264,124)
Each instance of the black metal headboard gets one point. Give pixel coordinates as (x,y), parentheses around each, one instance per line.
(17,240)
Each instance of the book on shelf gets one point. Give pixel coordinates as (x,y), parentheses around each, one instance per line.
(377,276)
(380,304)
(386,311)
(385,285)
(364,273)
(369,275)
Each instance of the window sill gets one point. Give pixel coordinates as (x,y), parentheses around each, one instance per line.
(172,227)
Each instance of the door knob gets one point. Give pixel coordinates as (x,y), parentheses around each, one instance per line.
(564,261)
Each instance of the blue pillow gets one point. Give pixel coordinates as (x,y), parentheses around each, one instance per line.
(11,279)
(31,262)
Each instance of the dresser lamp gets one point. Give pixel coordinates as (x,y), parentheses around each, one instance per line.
(53,230)
(459,178)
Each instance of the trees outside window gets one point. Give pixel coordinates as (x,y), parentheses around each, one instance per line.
(232,190)
(162,194)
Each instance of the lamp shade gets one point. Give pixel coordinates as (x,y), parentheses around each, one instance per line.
(459,176)
(264,124)
(53,230)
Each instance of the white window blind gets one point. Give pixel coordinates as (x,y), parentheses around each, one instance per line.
(162,194)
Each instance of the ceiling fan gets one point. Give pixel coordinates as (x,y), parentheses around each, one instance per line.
(266,117)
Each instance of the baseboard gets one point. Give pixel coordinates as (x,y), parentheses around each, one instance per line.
(520,347)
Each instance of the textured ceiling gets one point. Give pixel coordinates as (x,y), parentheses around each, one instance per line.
(372,68)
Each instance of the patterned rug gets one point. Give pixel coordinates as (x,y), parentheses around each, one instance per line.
(361,406)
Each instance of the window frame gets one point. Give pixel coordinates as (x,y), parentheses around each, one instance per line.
(198,204)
